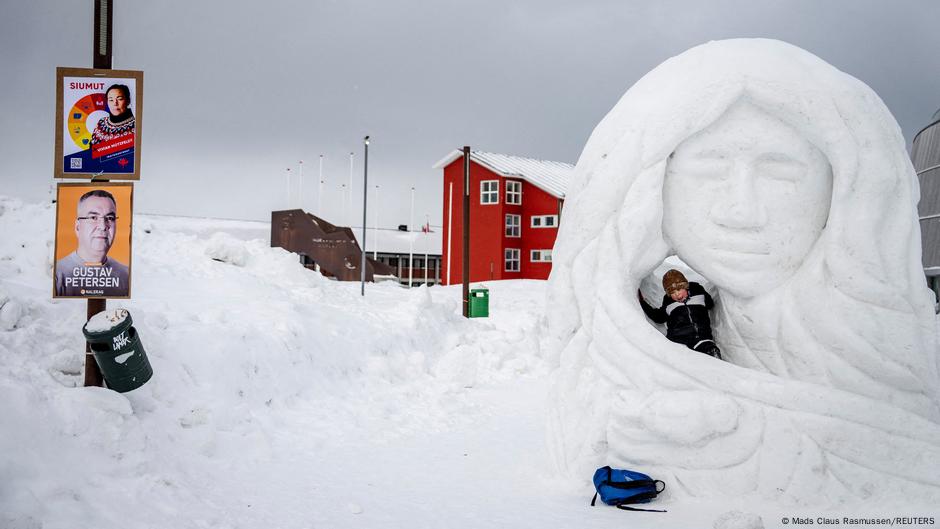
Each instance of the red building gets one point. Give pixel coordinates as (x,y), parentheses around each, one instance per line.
(515,207)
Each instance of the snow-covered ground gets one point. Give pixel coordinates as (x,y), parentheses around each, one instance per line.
(281,399)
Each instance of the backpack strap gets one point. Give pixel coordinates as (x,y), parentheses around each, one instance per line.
(640,498)
(635,484)
(628,508)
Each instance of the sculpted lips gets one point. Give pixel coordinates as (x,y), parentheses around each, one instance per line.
(741,246)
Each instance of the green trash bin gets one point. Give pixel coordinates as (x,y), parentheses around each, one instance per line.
(117,349)
(479,303)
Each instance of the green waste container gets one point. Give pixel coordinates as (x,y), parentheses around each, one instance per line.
(479,303)
(117,349)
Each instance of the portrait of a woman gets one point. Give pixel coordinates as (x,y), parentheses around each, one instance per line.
(120,120)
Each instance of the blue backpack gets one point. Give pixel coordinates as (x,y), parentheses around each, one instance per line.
(621,487)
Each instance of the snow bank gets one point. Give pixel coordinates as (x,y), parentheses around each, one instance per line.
(784,183)
(252,355)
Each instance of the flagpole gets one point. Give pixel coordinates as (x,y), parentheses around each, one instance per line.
(301,162)
(411,238)
(427,234)
(288,188)
(350,187)
(365,199)
(320,190)
(375,226)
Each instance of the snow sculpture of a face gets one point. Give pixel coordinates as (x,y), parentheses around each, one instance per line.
(787,185)
(745,199)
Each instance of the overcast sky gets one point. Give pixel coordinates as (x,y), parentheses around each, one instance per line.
(238,91)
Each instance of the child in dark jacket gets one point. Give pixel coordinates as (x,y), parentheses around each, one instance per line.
(685,312)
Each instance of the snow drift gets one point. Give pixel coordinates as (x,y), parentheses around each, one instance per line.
(261,368)
(785,183)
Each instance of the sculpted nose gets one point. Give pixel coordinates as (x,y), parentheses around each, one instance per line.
(741,206)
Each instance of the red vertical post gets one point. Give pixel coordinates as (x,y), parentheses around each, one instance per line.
(466,232)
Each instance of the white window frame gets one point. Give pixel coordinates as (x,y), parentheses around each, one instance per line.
(540,256)
(514,192)
(512,256)
(513,225)
(541,221)
(488,195)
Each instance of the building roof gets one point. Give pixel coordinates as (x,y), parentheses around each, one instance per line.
(400,242)
(547,175)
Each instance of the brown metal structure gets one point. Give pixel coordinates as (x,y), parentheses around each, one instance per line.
(333,249)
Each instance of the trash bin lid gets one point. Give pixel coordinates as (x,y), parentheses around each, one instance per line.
(106,320)
(107,323)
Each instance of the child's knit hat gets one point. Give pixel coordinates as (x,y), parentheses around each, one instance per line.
(673,280)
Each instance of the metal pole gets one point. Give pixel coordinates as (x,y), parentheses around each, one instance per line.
(365,196)
(101,59)
(301,162)
(349,220)
(411,238)
(288,189)
(320,190)
(427,226)
(466,232)
(375,227)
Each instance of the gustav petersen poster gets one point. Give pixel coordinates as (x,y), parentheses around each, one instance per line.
(98,117)
(93,240)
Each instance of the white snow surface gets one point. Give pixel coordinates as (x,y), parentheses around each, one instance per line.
(106,320)
(785,184)
(281,399)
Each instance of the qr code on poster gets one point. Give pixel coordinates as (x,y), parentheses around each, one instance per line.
(75,163)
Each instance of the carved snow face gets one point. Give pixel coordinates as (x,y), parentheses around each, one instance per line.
(745,199)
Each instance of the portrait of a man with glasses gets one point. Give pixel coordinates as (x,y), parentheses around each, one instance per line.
(88,271)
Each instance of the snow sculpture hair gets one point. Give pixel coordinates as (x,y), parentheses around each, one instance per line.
(852,409)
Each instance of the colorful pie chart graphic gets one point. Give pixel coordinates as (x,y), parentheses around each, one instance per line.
(78,117)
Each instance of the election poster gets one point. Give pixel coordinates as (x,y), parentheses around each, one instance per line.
(98,123)
(93,240)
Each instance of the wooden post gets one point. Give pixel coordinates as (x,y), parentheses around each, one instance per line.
(466,232)
(101,47)
(101,58)
(92,371)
